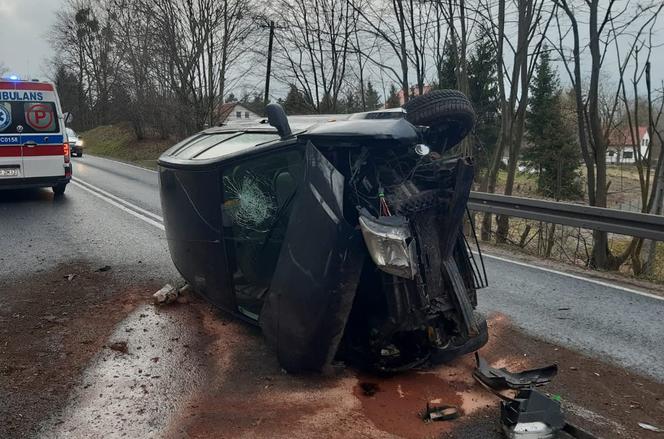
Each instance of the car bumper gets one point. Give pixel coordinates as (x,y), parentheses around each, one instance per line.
(24,183)
(470,344)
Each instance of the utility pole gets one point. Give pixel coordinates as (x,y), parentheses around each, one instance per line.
(269,64)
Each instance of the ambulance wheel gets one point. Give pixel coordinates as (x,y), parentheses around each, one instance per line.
(59,189)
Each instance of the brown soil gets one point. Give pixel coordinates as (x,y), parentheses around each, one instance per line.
(51,327)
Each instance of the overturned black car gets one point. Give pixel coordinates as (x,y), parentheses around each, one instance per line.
(341,236)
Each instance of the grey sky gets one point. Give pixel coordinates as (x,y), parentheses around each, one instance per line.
(24,45)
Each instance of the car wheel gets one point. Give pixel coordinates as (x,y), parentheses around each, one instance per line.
(59,189)
(448,113)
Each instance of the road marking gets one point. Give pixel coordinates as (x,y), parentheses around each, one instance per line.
(123,163)
(119,200)
(577,277)
(136,214)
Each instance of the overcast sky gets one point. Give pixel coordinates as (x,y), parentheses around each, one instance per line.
(25,49)
(24,45)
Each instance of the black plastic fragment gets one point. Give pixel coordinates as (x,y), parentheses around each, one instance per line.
(501,379)
(530,408)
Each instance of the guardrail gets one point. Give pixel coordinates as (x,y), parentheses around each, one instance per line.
(640,225)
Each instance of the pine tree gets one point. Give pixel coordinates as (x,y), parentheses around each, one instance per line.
(484,94)
(393,99)
(371,98)
(296,102)
(553,150)
(447,69)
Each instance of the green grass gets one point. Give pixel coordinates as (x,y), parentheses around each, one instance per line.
(119,142)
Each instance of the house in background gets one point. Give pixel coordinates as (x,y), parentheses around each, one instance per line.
(621,147)
(234,112)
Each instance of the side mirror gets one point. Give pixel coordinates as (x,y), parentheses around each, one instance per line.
(68,117)
(276,116)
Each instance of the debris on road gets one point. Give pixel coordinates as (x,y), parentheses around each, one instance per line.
(167,294)
(369,389)
(440,413)
(183,294)
(651,427)
(119,346)
(70,276)
(104,268)
(531,415)
(502,379)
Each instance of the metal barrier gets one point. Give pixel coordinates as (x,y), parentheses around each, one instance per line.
(641,225)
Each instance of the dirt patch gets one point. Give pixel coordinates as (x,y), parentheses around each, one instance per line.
(603,398)
(51,324)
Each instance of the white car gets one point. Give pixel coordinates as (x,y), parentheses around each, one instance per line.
(33,147)
(75,143)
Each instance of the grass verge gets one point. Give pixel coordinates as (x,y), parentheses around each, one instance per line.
(119,142)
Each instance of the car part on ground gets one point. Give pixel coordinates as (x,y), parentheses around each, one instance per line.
(342,241)
(502,379)
(531,415)
(437,413)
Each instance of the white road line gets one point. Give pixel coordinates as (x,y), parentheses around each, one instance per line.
(119,200)
(577,277)
(148,220)
(123,163)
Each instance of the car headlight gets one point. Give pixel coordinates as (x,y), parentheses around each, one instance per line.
(390,244)
(79,142)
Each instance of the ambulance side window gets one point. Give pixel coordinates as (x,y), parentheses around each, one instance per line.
(40,117)
(7,118)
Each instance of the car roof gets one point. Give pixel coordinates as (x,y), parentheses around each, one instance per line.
(378,125)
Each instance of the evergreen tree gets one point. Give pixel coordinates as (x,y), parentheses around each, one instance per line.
(447,70)
(296,102)
(231,98)
(371,98)
(484,94)
(553,150)
(393,99)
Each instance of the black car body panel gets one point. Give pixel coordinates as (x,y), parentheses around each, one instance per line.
(319,266)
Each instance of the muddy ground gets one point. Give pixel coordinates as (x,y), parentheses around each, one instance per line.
(89,357)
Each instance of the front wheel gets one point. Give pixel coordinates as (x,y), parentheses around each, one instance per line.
(59,189)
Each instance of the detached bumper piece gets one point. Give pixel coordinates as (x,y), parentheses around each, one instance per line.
(502,379)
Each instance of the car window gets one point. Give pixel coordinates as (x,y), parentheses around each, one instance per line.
(34,117)
(236,144)
(258,195)
(71,133)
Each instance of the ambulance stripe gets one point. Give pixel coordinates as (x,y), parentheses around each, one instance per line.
(36,151)
(10,151)
(42,139)
(39,86)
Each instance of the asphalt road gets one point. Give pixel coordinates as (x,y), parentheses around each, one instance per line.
(111,216)
(600,320)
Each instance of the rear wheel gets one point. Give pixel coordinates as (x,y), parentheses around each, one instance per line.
(448,113)
(59,189)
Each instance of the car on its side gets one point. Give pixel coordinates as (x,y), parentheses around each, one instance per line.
(339,235)
(33,147)
(75,143)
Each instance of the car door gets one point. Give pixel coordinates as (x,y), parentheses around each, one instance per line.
(11,150)
(257,200)
(42,140)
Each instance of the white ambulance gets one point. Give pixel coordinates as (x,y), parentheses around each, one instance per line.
(33,146)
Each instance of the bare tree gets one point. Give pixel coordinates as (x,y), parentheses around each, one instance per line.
(604,25)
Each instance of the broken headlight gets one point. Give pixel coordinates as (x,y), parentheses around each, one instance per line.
(390,244)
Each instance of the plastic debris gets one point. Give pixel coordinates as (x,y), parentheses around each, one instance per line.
(501,379)
(440,413)
(650,427)
(167,294)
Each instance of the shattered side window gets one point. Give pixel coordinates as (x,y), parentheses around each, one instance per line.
(258,195)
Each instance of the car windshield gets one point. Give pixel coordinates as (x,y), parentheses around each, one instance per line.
(71,133)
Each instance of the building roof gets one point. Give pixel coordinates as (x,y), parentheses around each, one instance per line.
(225,109)
(622,137)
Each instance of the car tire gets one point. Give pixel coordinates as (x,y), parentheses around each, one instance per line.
(448,113)
(59,189)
